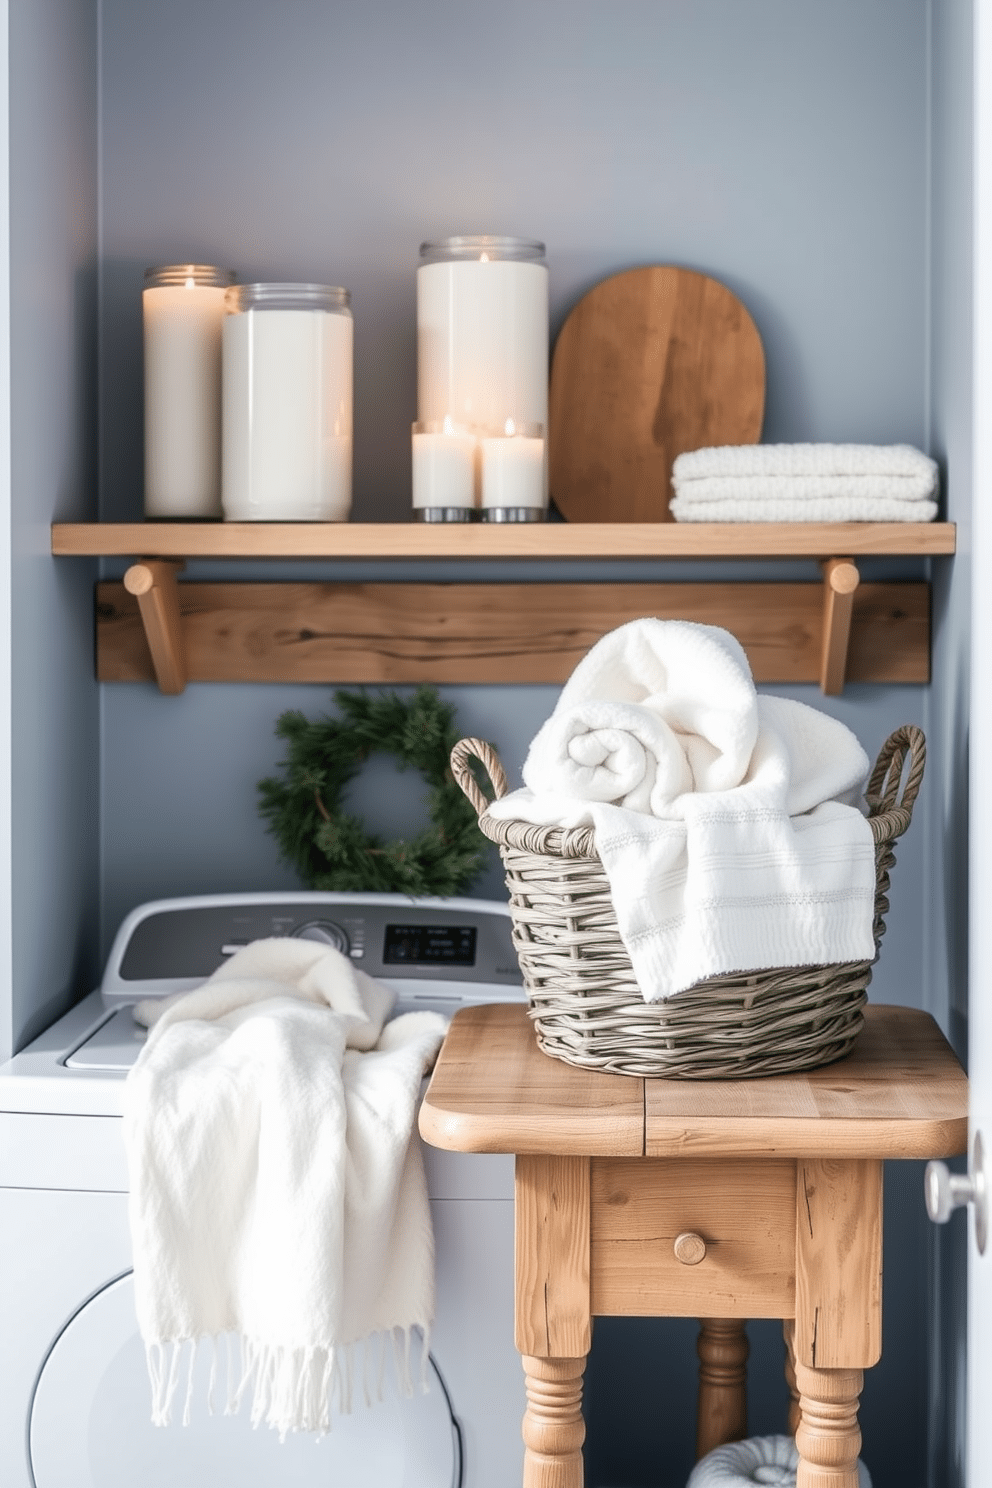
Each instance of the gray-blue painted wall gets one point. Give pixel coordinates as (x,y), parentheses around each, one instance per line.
(781,145)
(54,808)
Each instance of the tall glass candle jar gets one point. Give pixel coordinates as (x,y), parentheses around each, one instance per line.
(287,424)
(182,310)
(482,333)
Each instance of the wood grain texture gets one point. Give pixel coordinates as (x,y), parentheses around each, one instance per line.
(651,362)
(900,1093)
(838,1264)
(789,1339)
(153,587)
(554,540)
(840,584)
(465,633)
(553,1426)
(551,1217)
(828,1435)
(721,1412)
(494,1091)
(744,1211)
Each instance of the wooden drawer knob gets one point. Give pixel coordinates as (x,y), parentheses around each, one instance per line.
(689,1248)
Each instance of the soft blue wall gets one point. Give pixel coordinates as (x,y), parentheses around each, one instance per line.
(781,145)
(948,701)
(54,745)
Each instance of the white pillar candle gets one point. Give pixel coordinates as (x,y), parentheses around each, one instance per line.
(482,332)
(287,405)
(444,460)
(182,310)
(513,469)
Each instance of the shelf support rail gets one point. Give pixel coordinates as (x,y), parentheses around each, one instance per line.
(840,583)
(153,583)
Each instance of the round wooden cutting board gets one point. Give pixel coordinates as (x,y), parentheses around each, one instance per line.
(650,363)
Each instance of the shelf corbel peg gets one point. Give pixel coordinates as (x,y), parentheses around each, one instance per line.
(840,581)
(153,583)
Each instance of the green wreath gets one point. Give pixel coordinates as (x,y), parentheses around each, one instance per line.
(330,849)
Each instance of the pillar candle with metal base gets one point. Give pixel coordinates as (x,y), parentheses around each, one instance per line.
(513,488)
(445,456)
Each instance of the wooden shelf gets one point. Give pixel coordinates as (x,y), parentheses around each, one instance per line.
(152,626)
(547,540)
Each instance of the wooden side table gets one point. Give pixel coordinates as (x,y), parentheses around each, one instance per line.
(721,1200)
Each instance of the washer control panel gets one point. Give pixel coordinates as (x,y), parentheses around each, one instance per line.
(173,945)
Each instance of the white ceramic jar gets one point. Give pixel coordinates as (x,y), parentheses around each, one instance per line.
(482,337)
(287,403)
(182,311)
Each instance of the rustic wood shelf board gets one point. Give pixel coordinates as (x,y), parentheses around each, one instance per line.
(395,633)
(552,540)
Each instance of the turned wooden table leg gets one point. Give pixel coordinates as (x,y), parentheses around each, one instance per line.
(721,1414)
(553,1427)
(828,1438)
(838,1325)
(553,1325)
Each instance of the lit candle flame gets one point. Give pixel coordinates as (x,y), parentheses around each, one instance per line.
(447,427)
(509,428)
(484,258)
(190,283)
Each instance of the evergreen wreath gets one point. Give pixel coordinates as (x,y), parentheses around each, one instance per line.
(330,849)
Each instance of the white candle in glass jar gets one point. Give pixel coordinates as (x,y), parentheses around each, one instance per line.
(482,331)
(287,405)
(444,461)
(182,311)
(513,469)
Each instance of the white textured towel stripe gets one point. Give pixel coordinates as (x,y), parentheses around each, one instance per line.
(778,509)
(276,1193)
(791,460)
(761,861)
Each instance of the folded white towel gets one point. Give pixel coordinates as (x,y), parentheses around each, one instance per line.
(804,483)
(800,460)
(276,1192)
(771,508)
(761,861)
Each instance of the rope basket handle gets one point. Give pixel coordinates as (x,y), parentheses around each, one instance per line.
(462,755)
(890,814)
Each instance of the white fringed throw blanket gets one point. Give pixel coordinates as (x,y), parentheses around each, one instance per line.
(723,820)
(805,483)
(276,1191)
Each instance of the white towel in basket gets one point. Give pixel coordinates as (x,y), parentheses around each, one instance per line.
(731,845)
(276,1193)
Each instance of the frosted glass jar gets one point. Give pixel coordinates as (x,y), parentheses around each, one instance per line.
(482,333)
(287,404)
(182,312)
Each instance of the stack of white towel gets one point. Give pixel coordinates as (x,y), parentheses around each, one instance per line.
(805,483)
(725,821)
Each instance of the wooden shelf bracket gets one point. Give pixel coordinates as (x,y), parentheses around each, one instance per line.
(153,584)
(840,583)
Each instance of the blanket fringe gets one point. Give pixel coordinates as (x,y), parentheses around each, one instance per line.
(290,1389)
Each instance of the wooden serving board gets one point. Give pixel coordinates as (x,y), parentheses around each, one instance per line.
(650,363)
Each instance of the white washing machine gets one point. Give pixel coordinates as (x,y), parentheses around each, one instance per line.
(74,1398)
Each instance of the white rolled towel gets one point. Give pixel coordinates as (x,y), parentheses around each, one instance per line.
(762,1459)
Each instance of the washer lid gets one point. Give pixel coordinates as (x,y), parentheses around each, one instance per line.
(91,1428)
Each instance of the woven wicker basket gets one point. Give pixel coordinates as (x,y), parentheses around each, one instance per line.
(584,999)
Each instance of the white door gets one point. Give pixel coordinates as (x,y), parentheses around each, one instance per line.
(979,1472)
